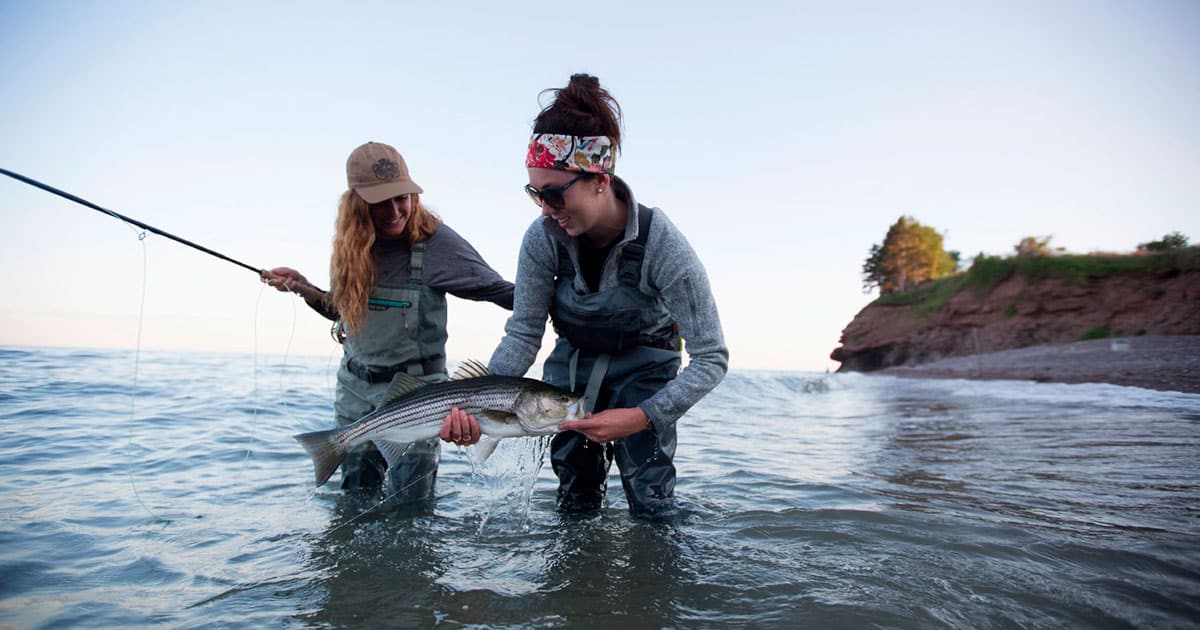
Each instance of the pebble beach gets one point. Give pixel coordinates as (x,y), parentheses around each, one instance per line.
(1167,363)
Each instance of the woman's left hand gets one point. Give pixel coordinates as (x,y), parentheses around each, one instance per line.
(609,425)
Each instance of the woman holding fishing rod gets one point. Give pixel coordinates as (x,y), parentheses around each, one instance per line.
(393,264)
(621,285)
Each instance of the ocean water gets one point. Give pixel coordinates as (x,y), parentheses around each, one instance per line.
(826,500)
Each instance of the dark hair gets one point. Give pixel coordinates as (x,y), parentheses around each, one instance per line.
(583,108)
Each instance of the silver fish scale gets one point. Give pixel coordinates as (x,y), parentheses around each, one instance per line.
(431,403)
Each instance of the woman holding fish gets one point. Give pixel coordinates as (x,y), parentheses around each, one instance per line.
(621,286)
(393,264)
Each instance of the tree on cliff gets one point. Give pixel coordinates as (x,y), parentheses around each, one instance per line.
(1034,247)
(1172,241)
(911,253)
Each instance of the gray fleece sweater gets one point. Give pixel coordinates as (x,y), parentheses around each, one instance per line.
(670,270)
(451,266)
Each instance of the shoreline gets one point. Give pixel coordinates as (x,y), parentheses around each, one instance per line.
(1160,362)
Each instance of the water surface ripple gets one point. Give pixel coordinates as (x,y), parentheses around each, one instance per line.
(836,500)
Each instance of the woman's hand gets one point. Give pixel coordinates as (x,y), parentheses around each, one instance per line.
(284,278)
(460,428)
(287,279)
(609,425)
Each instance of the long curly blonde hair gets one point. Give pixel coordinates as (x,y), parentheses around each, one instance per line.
(352,267)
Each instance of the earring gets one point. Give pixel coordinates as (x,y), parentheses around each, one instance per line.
(599,190)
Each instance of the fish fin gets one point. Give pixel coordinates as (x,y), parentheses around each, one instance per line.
(392,451)
(326,453)
(402,384)
(470,369)
(484,447)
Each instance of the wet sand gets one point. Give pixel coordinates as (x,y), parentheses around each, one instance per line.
(1168,363)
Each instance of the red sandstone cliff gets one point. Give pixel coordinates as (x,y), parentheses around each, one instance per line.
(1021,311)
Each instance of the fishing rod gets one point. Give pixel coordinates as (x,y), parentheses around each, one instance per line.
(85,202)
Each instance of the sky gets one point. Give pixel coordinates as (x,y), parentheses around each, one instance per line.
(782,138)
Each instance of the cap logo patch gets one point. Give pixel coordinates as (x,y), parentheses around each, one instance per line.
(386,169)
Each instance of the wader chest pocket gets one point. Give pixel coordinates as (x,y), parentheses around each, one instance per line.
(399,312)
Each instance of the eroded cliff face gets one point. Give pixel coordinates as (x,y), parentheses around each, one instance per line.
(1019,312)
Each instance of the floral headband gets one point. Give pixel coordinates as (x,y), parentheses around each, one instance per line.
(593,154)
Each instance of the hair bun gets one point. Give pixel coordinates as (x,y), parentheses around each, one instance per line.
(583,80)
(582,108)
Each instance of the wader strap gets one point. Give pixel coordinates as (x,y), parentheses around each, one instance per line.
(416,275)
(416,263)
(630,271)
(599,370)
(632,255)
(572,366)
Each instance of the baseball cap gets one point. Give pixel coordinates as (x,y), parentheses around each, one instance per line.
(376,171)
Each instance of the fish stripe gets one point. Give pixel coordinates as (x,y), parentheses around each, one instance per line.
(430,404)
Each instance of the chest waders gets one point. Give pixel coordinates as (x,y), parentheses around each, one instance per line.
(404,332)
(620,346)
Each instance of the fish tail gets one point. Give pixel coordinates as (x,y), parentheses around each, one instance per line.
(327,454)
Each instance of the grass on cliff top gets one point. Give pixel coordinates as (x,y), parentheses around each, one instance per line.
(988,271)
(927,298)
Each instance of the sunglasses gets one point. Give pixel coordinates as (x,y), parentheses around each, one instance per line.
(553,195)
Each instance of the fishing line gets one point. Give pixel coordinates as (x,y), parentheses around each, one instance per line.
(84,202)
(282,370)
(254,378)
(137,355)
(142,309)
(287,351)
(330,371)
(258,271)
(141,315)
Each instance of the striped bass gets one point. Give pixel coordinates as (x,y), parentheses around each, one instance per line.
(413,410)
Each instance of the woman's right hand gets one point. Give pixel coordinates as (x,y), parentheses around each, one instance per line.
(284,279)
(460,428)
